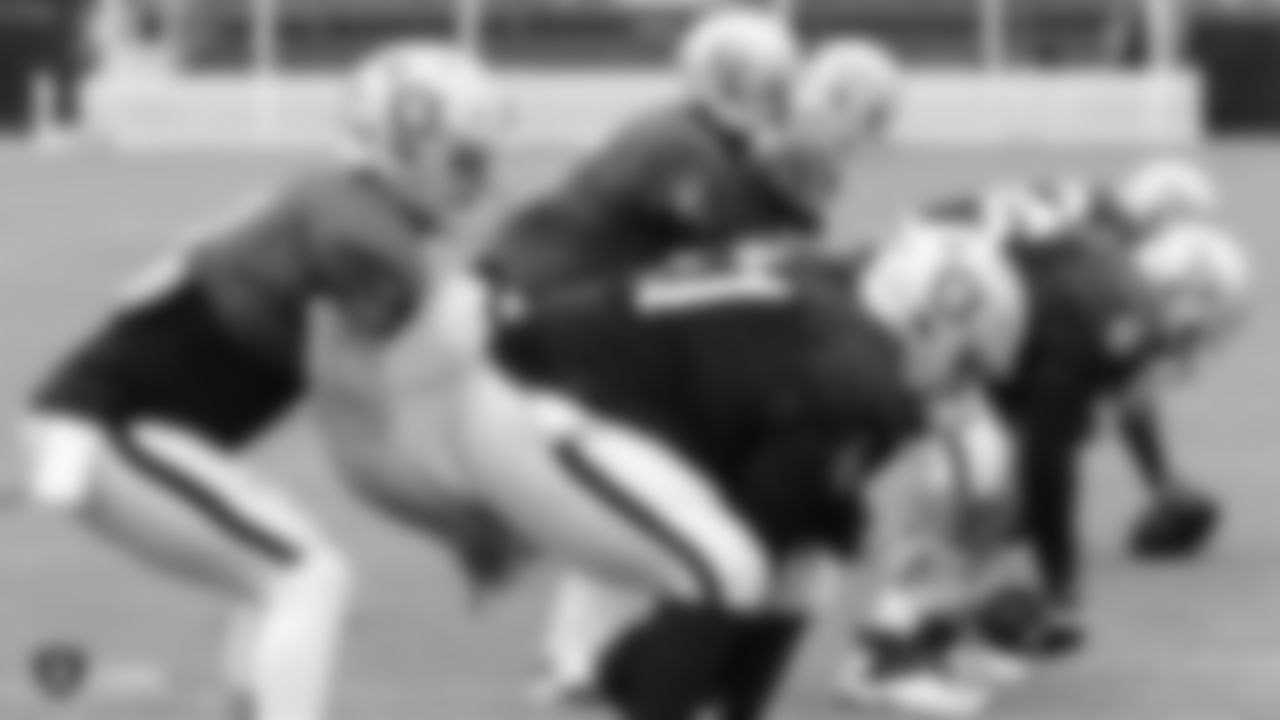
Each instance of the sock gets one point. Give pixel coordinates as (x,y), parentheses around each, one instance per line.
(587,618)
(760,656)
(287,649)
(669,667)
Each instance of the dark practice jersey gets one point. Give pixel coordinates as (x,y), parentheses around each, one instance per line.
(213,337)
(341,237)
(670,182)
(1085,331)
(1085,343)
(763,391)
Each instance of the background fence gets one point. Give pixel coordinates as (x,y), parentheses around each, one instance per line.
(300,35)
(986,71)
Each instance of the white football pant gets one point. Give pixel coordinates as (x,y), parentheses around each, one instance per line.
(169,498)
(587,490)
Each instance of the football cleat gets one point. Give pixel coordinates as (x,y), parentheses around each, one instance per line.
(989,666)
(925,692)
(1177,527)
(558,691)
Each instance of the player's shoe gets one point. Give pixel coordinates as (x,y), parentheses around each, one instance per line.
(925,692)
(1176,527)
(989,666)
(556,690)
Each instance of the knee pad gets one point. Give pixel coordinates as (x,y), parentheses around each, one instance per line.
(320,577)
(61,458)
(743,577)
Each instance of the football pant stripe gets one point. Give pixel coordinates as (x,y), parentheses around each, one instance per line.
(613,493)
(201,495)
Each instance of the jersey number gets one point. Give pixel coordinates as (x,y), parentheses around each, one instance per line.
(680,293)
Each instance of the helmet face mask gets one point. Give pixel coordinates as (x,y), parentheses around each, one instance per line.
(426,118)
(1197,280)
(842,106)
(954,303)
(739,65)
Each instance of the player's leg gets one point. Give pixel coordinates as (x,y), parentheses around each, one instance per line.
(765,643)
(1181,518)
(170,499)
(931,558)
(616,501)
(588,616)
(604,497)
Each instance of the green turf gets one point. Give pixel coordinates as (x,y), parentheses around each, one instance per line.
(1197,643)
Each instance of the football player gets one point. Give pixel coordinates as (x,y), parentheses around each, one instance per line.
(138,431)
(689,174)
(1182,517)
(792,168)
(1191,281)
(678,433)
(682,176)
(1104,316)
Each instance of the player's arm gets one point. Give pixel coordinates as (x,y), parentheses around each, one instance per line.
(977,453)
(655,175)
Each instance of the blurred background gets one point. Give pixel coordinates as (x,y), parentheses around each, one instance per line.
(1024,88)
(53,51)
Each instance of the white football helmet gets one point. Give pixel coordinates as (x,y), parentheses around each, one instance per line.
(842,100)
(953,299)
(413,100)
(1033,212)
(847,92)
(1166,190)
(739,64)
(1200,279)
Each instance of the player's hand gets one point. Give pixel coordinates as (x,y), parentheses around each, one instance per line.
(489,554)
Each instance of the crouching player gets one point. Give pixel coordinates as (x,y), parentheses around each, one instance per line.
(137,432)
(678,433)
(1182,517)
(1106,318)
(700,174)
(686,176)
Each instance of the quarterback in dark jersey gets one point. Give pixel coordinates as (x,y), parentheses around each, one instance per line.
(689,176)
(137,432)
(692,179)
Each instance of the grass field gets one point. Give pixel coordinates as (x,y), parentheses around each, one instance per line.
(1189,643)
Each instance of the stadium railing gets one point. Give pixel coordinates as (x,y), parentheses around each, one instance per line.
(1049,70)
